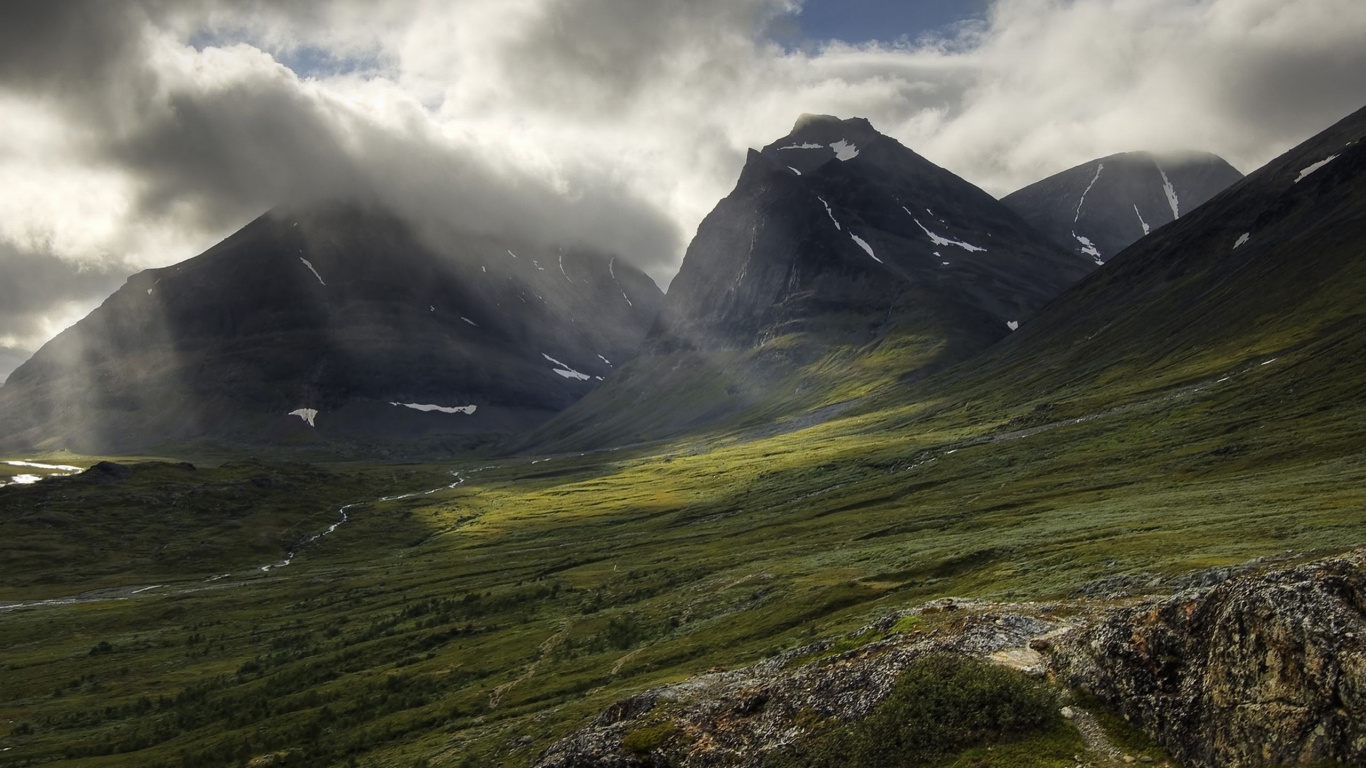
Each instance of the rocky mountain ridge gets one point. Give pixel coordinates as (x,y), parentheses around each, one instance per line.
(837,244)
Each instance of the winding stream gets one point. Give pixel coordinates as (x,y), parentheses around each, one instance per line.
(289,556)
(127,593)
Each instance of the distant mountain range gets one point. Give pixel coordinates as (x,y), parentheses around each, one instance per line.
(1099,208)
(334,323)
(841,264)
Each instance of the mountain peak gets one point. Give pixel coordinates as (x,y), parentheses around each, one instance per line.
(818,139)
(807,120)
(1103,206)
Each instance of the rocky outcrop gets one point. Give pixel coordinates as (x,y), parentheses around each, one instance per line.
(1262,670)
(1267,668)
(738,718)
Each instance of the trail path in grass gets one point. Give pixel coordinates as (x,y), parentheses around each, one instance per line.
(1103,752)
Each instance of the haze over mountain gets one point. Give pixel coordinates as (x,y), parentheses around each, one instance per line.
(333,322)
(1099,208)
(11,358)
(838,246)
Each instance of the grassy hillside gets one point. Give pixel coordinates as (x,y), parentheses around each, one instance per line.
(480,622)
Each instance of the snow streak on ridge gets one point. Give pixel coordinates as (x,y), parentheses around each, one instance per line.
(1170,192)
(1082,201)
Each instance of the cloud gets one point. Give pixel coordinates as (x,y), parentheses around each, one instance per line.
(40,294)
(138,133)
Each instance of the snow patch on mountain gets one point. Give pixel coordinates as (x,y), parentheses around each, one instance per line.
(307,414)
(468,410)
(1306,171)
(611,269)
(308,264)
(1242,240)
(1141,222)
(1086,192)
(939,239)
(844,150)
(807,145)
(1170,192)
(1088,247)
(565,370)
(794,170)
(830,213)
(865,246)
(1013,325)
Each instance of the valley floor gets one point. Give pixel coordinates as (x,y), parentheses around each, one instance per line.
(509,601)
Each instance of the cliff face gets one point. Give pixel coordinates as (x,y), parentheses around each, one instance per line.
(1262,670)
(1267,669)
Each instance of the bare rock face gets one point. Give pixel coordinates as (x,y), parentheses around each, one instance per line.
(1258,671)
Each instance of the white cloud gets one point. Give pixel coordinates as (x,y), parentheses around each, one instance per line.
(617,123)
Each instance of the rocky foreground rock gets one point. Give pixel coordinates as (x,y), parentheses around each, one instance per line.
(1266,669)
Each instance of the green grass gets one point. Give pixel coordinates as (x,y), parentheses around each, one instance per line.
(477,624)
(1130,740)
(939,709)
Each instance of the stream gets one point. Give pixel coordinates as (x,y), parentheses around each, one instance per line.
(127,592)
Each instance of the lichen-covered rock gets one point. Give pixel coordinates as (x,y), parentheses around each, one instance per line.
(1267,668)
(1261,670)
(735,719)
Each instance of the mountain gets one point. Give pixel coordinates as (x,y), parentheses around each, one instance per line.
(11,358)
(1269,270)
(333,323)
(840,258)
(1099,208)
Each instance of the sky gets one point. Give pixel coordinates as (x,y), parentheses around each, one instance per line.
(138,133)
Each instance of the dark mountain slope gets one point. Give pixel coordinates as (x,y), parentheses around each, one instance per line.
(326,324)
(841,261)
(1099,208)
(1275,265)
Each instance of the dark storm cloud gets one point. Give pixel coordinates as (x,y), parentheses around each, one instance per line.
(39,292)
(70,49)
(217,150)
(608,123)
(601,54)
